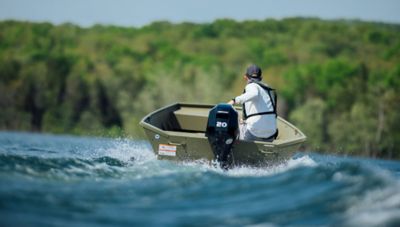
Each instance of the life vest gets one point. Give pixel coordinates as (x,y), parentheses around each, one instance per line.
(273,97)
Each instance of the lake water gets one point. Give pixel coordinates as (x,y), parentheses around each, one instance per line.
(48,180)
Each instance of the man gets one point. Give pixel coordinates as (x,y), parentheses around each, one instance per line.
(259,108)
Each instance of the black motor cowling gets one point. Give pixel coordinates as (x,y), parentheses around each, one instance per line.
(222,131)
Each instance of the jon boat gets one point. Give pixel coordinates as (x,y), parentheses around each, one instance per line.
(178,132)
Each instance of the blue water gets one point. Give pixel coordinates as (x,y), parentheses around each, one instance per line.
(48,180)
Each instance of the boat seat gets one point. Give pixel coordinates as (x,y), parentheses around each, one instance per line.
(192,119)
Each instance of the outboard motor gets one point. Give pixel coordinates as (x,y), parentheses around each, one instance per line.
(222,131)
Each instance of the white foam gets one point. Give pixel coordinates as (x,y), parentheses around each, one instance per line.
(248,171)
(378,207)
(293,163)
(301,162)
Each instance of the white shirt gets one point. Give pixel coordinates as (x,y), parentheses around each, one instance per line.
(257,100)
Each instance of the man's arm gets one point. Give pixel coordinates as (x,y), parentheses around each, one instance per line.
(251,92)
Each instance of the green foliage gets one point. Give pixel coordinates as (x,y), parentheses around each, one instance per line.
(311,117)
(338,81)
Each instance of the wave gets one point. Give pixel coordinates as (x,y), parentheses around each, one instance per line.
(308,189)
(375,207)
(60,167)
(102,158)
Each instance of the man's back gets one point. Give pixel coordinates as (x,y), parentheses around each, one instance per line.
(264,125)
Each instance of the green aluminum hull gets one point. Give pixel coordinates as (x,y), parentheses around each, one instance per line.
(177,132)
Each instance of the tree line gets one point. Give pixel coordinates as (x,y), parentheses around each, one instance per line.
(338,81)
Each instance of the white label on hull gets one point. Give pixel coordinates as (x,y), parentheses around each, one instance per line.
(167,150)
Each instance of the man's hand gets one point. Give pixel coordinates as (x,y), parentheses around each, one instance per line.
(231,102)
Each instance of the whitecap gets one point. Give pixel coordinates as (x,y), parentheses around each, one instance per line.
(378,207)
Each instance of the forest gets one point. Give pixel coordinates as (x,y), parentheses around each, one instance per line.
(337,80)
